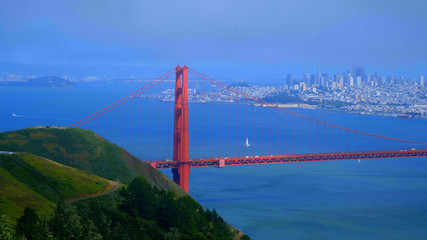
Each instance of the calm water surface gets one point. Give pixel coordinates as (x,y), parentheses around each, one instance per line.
(373,199)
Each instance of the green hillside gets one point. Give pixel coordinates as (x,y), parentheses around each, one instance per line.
(15,196)
(27,180)
(85,150)
(138,211)
(148,206)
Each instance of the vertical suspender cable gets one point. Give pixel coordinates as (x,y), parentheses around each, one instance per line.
(269,133)
(309,135)
(293,137)
(286,133)
(317,137)
(324,133)
(302,135)
(220,126)
(278,130)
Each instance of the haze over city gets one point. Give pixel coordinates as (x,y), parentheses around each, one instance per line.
(229,38)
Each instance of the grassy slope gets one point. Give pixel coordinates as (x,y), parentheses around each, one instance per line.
(29,180)
(15,196)
(85,150)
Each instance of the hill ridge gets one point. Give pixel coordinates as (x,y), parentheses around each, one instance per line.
(85,150)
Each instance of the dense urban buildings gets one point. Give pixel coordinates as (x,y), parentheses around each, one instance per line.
(352,91)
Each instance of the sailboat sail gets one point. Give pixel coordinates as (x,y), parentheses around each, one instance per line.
(247,143)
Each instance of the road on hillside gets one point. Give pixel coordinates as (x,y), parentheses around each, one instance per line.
(113,187)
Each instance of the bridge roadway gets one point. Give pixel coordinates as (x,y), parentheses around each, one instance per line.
(310,157)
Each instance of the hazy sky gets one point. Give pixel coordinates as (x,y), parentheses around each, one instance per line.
(295,35)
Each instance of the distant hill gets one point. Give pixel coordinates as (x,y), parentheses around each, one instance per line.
(27,180)
(41,82)
(83,149)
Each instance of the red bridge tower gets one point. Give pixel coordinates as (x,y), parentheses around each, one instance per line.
(180,133)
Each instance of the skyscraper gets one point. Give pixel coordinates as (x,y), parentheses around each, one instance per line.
(312,80)
(325,81)
(348,79)
(391,79)
(337,77)
(341,82)
(421,79)
(353,70)
(360,72)
(306,79)
(290,80)
(358,80)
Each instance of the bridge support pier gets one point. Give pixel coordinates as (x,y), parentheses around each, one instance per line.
(181,176)
(180,133)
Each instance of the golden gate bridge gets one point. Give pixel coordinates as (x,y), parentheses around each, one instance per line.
(316,140)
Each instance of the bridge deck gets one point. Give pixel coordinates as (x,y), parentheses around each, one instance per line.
(266,159)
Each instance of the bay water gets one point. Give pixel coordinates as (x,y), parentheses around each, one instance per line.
(373,199)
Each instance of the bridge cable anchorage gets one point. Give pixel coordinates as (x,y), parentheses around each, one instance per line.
(213,81)
(122,100)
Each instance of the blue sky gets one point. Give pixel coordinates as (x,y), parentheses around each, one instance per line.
(254,36)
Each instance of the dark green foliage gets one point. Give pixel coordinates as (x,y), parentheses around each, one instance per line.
(30,226)
(139,211)
(245,237)
(7,228)
(185,214)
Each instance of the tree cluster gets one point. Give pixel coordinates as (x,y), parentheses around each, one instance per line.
(139,211)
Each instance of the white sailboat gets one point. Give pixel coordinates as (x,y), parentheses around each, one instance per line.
(247,143)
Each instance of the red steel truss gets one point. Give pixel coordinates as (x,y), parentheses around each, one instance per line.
(251,160)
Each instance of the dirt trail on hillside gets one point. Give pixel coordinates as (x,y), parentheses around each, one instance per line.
(113,187)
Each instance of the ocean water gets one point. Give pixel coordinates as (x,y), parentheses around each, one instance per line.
(373,199)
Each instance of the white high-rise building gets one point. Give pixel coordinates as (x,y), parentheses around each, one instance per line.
(368,78)
(341,82)
(358,80)
(422,83)
(303,87)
